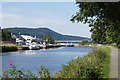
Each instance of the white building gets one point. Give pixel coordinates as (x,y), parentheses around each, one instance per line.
(25,39)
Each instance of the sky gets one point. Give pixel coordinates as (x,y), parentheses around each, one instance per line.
(52,15)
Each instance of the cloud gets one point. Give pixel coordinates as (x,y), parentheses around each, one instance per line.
(56,23)
(0,19)
(38,1)
(22,20)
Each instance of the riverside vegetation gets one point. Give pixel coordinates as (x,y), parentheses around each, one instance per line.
(103,18)
(6,47)
(93,66)
(6,38)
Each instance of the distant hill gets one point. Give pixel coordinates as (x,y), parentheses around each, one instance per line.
(39,32)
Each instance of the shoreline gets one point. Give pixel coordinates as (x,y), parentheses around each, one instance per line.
(47,47)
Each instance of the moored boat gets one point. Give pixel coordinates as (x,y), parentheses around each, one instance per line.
(34,47)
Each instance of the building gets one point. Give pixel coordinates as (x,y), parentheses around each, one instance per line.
(26,40)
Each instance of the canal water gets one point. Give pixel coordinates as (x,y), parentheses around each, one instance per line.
(50,58)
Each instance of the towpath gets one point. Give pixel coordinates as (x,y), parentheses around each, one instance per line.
(114,63)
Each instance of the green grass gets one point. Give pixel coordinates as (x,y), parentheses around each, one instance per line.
(6,47)
(93,66)
(105,48)
(106,68)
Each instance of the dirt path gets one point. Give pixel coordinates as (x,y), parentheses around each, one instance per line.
(114,63)
(119,64)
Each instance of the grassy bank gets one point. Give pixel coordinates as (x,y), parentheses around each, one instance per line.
(6,47)
(94,66)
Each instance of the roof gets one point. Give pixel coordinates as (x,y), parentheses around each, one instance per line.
(26,37)
(14,36)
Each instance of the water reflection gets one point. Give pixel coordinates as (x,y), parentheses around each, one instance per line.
(27,52)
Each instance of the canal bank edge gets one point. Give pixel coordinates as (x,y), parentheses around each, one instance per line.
(95,65)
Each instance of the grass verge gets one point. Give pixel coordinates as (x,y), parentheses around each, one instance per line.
(93,66)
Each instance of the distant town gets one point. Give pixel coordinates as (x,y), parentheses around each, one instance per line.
(35,43)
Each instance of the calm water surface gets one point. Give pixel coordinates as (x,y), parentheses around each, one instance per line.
(51,58)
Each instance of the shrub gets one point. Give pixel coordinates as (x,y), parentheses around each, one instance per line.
(93,66)
(13,72)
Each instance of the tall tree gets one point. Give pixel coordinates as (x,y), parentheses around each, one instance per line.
(48,38)
(103,18)
(6,35)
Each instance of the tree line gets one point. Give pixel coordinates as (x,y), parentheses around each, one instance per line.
(103,18)
(6,36)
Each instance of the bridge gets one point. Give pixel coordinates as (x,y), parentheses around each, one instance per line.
(68,42)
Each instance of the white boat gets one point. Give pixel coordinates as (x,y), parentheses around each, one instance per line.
(34,47)
(42,45)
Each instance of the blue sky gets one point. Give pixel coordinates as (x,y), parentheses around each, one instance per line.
(53,15)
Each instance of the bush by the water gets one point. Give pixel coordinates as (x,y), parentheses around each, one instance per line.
(92,66)
(24,73)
